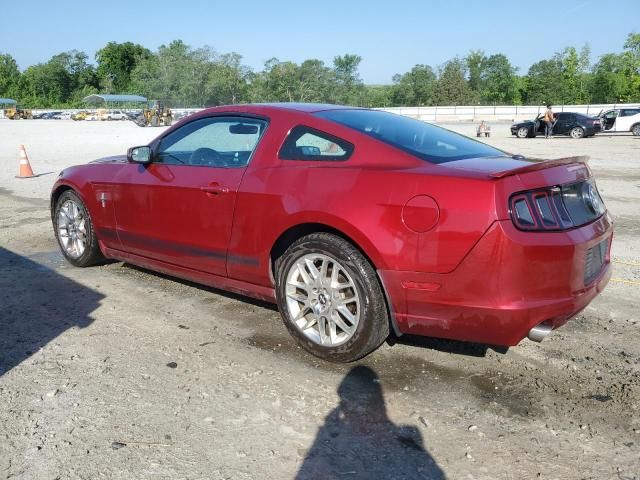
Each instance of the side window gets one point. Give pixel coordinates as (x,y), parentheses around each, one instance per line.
(306,143)
(611,114)
(225,142)
(629,112)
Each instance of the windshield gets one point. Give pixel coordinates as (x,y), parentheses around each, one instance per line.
(425,141)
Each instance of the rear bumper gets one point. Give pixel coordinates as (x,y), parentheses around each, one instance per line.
(509,282)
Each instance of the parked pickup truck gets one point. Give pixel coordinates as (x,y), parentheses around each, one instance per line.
(113,115)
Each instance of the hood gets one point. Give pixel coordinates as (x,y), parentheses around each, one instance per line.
(499,167)
(112,159)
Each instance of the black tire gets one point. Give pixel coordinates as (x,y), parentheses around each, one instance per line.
(523,132)
(373,324)
(92,253)
(635,129)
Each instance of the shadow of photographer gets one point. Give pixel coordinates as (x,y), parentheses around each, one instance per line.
(358,441)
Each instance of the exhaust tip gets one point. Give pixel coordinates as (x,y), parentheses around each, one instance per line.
(539,332)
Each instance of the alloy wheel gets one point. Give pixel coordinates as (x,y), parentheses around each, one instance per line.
(577,132)
(72,229)
(322,299)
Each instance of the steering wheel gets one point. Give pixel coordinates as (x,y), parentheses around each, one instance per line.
(205,156)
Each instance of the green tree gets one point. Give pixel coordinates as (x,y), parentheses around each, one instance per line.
(116,61)
(498,81)
(9,75)
(475,62)
(348,85)
(452,87)
(415,87)
(543,81)
(376,96)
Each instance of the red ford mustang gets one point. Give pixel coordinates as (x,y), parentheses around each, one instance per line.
(355,222)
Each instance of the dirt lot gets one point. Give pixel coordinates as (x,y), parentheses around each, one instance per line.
(118,373)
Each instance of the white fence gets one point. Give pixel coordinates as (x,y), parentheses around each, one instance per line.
(457,113)
(493,113)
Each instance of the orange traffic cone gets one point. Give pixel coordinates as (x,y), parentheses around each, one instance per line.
(25,170)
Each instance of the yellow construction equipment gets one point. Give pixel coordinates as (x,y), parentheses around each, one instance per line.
(156,114)
(17,113)
(82,115)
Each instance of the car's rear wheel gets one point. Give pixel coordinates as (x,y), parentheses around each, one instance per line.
(577,132)
(636,130)
(523,132)
(330,298)
(74,231)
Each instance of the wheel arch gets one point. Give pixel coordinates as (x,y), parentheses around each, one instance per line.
(55,195)
(300,230)
(62,186)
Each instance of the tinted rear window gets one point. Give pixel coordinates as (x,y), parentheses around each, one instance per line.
(425,141)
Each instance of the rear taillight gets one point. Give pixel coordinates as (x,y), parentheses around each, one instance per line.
(556,208)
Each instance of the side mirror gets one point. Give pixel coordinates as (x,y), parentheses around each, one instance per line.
(141,154)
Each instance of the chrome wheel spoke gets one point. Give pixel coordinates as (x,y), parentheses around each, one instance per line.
(322,330)
(346,314)
(313,270)
(340,323)
(303,273)
(296,284)
(298,297)
(310,323)
(303,311)
(334,276)
(323,269)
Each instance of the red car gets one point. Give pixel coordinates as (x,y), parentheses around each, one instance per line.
(355,222)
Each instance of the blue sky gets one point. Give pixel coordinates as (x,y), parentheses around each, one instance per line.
(391,36)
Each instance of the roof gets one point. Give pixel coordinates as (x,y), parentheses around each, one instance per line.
(97,98)
(302,107)
(7,101)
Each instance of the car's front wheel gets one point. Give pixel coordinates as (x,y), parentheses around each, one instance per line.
(74,231)
(330,298)
(577,132)
(523,132)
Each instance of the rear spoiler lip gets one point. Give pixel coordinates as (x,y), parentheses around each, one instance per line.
(541,164)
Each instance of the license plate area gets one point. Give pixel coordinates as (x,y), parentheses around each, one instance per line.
(595,259)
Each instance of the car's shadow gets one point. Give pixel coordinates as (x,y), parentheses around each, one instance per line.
(443,345)
(205,288)
(457,347)
(36,306)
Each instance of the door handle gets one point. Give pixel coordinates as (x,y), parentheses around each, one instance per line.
(214,189)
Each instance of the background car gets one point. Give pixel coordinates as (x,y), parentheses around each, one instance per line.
(621,120)
(113,115)
(356,222)
(50,115)
(575,125)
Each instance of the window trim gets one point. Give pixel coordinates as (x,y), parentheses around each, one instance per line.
(347,146)
(155,145)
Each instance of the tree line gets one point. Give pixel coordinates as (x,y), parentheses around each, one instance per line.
(199,77)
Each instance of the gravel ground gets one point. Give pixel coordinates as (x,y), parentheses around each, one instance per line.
(115,372)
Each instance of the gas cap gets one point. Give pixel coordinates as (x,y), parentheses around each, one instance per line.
(421,213)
